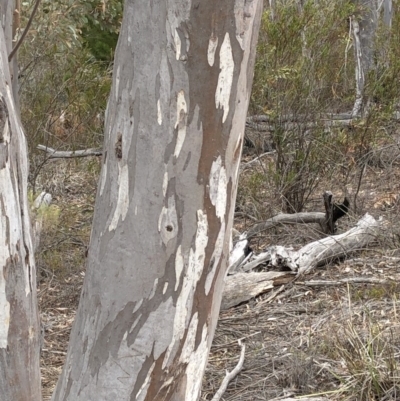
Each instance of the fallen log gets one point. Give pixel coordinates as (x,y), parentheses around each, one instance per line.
(241,287)
(321,251)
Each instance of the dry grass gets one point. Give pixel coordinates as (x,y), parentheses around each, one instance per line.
(341,341)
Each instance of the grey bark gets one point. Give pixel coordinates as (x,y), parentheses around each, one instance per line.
(160,239)
(364,30)
(19,320)
(387,13)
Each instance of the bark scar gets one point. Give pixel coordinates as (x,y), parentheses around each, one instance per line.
(118,146)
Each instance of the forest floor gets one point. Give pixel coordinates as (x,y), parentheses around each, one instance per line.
(335,340)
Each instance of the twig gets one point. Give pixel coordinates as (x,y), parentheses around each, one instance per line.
(21,39)
(225,345)
(244,166)
(230,375)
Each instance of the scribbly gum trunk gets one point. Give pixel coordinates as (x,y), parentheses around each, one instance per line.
(159,247)
(19,321)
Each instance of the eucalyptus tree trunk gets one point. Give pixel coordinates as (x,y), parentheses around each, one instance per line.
(164,209)
(364,28)
(19,321)
(387,12)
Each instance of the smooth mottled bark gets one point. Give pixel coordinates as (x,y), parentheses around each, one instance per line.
(363,31)
(19,321)
(160,240)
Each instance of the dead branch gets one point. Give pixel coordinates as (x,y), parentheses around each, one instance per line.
(349,280)
(241,287)
(28,25)
(292,121)
(296,218)
(321,251)
(231,375)
(249,164)
(333,247)
(240,254)
(58,154)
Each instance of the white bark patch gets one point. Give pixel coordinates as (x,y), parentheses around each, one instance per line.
(123,197)
(117,79)
(168,221)
(153,290)
(6,133)
(191,277)
(4,304)
(216,256)
(225,78)
(190,341)
(103,178)
(178,44)
(8,241)
(165,183)
(212,47)
(149,340)
(218,187)
(181,114)
(179,262)
(196,366)
(159,112)
(165,288)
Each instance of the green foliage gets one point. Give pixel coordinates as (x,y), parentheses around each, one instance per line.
(63,88)
(304,69)
(300,65)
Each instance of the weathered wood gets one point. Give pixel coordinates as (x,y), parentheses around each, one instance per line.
(67,154)
(231,375)
(242,287)
(330,248)
(320,251)
(237,256)
(296,218)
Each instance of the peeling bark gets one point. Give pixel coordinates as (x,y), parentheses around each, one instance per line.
(160,240)
(19,320)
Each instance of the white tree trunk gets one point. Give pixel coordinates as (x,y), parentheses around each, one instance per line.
(19,320)
(160,239)
(387,13)
(363,30)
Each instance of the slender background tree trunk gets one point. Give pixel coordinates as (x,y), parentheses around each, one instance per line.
(19,320)
(159,247)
